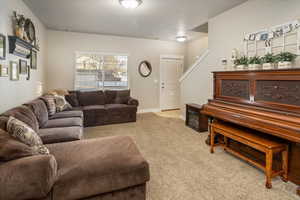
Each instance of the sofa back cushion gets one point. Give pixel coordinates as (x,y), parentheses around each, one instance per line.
(23,114)
(11,148)
(40,110)
(50,103)
(91,98)
(122,96)
(110,96)
(72,98)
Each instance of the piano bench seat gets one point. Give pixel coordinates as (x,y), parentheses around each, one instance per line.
(244,136)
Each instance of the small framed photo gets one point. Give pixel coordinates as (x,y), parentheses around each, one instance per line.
(14,71)
(28,73)
(23,66)
(3,70)
(33,59)
(2,47)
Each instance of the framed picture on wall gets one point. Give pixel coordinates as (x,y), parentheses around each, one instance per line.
(33,59)
(2,46)
(3,70)
(28,73)
(14,71)
(23,66)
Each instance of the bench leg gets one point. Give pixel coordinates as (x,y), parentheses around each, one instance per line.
(269,164)
(226,143)
(285,161)
(212,140)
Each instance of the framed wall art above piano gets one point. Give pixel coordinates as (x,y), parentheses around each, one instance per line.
(267,101)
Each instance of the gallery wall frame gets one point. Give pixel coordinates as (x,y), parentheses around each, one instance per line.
(2,47)
(14,71)
(4,71)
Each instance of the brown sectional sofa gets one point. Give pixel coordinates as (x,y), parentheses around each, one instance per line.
(109,168)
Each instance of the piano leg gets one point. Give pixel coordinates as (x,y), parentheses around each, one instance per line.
(298,191)
(207,141)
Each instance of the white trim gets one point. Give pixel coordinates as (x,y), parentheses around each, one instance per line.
(191,69)
(102,53)
(166,57)
(182,117)
(177,57)
(151,110)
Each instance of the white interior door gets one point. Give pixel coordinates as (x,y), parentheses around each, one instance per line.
(171,70)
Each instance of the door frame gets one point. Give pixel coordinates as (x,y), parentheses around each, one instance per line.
(170,57)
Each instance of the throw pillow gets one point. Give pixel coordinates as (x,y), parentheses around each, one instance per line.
(11,148)
(72,99)
(122,96)
(25,134)
(61,103)
(50,102)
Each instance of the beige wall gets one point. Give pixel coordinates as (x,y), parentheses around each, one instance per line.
(14,93)
(61,54)
(194,49)
(226,32)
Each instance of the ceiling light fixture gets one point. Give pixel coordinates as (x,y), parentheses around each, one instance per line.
(181,38)
(130,3)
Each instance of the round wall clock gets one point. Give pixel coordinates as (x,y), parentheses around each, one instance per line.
(30,30)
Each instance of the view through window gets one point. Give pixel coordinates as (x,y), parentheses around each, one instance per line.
(100,71)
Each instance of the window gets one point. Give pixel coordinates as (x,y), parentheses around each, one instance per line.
(101,71)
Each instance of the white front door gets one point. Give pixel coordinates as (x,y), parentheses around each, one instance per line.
(171,70)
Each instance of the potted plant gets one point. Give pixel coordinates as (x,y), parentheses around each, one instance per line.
(254,62)
(269,61)
(285,59)
(241,62)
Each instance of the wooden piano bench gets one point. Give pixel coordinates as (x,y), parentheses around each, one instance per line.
(267,146)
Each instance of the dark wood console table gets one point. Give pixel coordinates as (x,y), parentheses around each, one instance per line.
(267,101)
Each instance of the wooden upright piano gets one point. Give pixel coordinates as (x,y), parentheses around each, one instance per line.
(267,101)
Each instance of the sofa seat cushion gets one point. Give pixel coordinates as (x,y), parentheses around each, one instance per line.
(95,115)
(65,134)
(63,122)
(95,166)
(67,114)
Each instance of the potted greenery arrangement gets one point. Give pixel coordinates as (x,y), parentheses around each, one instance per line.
(255,62)
(285,59)
(269,61)
(241,62)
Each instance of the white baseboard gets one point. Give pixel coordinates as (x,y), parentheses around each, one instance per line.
(154,110)
(182,117)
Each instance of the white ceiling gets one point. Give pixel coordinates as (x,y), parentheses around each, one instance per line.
(157,19)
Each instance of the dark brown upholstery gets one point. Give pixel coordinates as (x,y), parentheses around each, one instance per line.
(110,96)
(67,114)
(91,98)
(95,115)
(121,113)
(63,122)
(96,166)
(122,97)
(64,134)
(40,110)
(11,149)
(23,114)
(72,99)
(27,178)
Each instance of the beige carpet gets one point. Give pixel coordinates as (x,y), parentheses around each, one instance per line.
(183,169)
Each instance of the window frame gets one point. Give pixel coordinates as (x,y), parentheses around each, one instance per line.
(77,53)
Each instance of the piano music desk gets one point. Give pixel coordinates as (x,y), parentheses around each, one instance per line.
(269,147)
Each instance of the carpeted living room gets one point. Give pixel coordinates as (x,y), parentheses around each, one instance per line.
(149,100)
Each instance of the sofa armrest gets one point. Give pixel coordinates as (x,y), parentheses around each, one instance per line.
(133,102)
(27,178)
